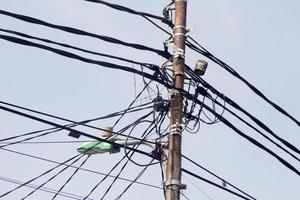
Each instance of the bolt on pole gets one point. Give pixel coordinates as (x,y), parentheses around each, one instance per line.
(173,173)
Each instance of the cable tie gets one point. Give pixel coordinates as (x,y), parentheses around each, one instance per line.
(179,34)
(178,52)
(179,26)
(175,182)
(176,129)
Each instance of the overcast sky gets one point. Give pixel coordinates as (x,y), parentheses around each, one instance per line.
(259,39)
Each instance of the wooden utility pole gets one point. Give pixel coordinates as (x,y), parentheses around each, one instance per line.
(173,172)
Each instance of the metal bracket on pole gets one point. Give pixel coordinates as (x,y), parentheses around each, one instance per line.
(176,183)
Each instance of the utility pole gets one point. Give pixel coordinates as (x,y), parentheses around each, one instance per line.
(173,172)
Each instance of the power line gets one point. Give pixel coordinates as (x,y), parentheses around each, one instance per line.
(82,169)
(70,129)
(214,184)
(48,171)
(105,177)
(61,171)
(137,177)
(218,177)
(84,33)
(69,179)
(253,141)
(83,59)
(239,108)
(148,65)
(229,69)
(133,109)
(45,189)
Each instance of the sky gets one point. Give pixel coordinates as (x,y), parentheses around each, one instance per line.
(259,39)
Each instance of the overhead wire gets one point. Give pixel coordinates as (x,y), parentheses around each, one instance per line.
(239,108)
(53,177)
(229,69)
(204,52)
(218,177)
(74,123)
(44,189)
(84,59)
(104,178)
(77,132)
(83,33)
(69,179)
(46,172)
(136,178)
(148,65)
(82,169)
(248,138)
(214,184)
(198,188)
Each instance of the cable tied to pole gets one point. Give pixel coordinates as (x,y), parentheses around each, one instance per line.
(176,129)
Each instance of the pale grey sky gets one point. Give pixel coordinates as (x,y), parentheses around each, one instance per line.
(260,39)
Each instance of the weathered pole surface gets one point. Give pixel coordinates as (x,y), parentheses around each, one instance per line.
(173,172)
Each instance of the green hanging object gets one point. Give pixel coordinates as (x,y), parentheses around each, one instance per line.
(95,147)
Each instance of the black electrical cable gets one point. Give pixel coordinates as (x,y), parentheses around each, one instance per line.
(239,108)
(229,69)
(104,178)
(148,65)
(239,132)
(73,162)
(83,59)
(31,180)
(82,169)
(132,102)
(218,177)
(214,184)
(31,138)
(136,178)
(84,33)
(261,133)
(126,9)
(69,179)
(44,189)
(83,123)
(51,142)
(70,129)
(52,130)
(147,16)
(116,178)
